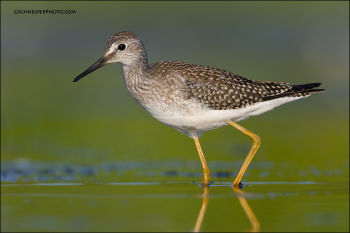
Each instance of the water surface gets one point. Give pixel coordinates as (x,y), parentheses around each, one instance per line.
(83,201)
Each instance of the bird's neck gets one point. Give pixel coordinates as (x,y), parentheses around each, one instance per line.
(136,75)
(135,71)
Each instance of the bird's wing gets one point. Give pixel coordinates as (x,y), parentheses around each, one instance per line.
(219,89)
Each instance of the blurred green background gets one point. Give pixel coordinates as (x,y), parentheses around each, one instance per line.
(46,118)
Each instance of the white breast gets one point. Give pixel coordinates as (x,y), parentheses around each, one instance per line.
(193,119)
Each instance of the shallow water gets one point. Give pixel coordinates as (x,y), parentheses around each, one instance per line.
(45,197)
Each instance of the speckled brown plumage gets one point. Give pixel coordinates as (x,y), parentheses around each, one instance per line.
(219,89)
(123,35)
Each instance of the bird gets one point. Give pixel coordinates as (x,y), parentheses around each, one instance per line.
(195,98)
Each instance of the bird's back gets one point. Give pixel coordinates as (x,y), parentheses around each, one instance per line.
(222,90)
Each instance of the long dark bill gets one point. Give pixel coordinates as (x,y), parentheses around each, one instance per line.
(101,62)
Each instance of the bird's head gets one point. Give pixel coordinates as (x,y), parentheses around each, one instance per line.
(123,47)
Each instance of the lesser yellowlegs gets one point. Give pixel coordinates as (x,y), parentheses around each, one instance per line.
(194,98)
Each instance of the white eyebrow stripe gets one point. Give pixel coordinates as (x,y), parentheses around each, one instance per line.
(109,51)
(112,47)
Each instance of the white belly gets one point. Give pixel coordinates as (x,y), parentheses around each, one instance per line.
(194,119)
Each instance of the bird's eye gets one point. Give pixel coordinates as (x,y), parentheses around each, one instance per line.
(121,47)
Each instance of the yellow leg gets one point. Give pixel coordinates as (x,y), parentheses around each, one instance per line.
(203,209)
(206,175)
(253,150)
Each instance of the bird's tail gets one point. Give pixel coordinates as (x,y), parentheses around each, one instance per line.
(301,90)
(306,88)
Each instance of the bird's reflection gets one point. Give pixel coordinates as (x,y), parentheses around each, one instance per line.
(254,222)
(205,200)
